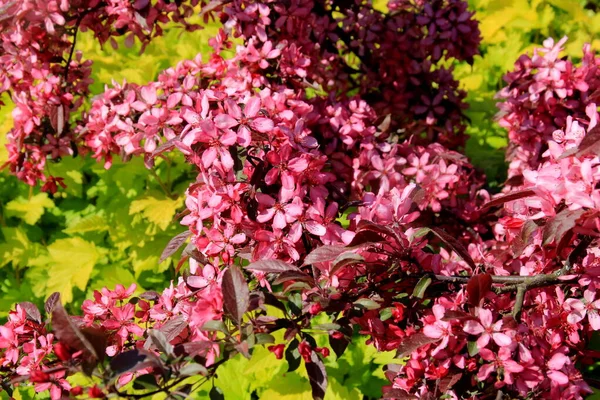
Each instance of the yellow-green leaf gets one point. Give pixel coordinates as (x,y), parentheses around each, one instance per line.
(158,211)
(90,223)
(17,248)
(30,210)
(72,262)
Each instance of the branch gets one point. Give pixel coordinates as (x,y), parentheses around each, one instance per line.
(514,281)
(516,313)
(66,76)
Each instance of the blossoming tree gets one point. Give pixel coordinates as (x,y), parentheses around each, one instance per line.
(330,180)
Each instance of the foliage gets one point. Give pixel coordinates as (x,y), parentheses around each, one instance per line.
(330,196)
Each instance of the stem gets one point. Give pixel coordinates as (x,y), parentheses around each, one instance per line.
(161,184)
(66,76)
(516,313)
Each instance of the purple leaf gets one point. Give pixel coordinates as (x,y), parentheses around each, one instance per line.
(88,340)
(413,343)
(365,237)
(324,254)
(158,339)
(174,327)
(31,311)
(150,295)
(509,197)
(295,276)
(397,394)
(558,226)
(51,302)
(194,348)
(454,245)
(317,376)
(236,296)
(345,259)
(174,245)
(292,356)
(477,287)
(133,360)
(524,239)
(271,266)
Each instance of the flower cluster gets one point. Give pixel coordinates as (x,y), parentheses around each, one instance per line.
(114,323)
(392,59)
(48,80)
(541,93)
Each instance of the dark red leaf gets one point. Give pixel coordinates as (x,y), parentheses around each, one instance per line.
(51,302)
(191,251)
(339,345)
(477,287)
(324,254)
(192,349)
(524,239)
(344,260)
(210,6)
(366,225)
(579,251)
(150,295)
(454,245)
(271,266)
(243,348)
(317,375)
(292,356)
(509,197)
(133,360)
(97,338)
(451,315)
(364,237)
(216,394)
(68,333)
(448,381)
(236,296)
(158,340)
(398,394)
(590,145)
(174,327)
(294,276)
(557,227)
(174,245)
(31,311)
(412,343)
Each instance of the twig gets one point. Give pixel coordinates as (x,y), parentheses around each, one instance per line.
(72,48)
(516,313)
(161,184)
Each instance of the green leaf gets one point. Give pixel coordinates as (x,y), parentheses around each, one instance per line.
(472,348)
(89,223)
(30,210)
(422,285)
(71,262)
(368,304)
(17,248)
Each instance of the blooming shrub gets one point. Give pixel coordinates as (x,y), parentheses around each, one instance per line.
(330,181)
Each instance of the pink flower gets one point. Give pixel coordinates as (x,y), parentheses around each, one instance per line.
(487,329)
(501,361)
(580,308)
(439,329)
(282,212)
